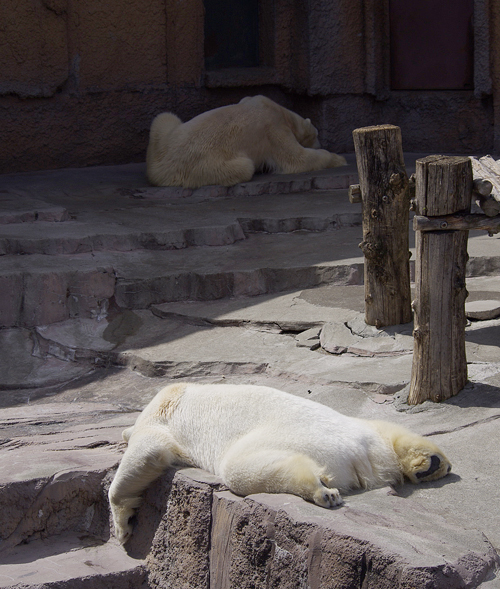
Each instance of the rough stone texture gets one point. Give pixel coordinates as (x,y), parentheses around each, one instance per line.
(56,288)
(278,540)
(34,54)
(70,387)
(28,210)
(80,84)
(180,552)
(23,362)
(45,293)
(338,338)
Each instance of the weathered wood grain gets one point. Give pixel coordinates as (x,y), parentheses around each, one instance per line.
(439,371)
(385,205)
(457,223)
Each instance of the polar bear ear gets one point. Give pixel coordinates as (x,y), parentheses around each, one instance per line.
(308,121)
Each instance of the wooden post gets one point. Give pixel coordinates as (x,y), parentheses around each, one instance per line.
(385,204)
(439,371)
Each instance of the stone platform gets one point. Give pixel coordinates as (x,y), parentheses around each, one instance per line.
(112,289)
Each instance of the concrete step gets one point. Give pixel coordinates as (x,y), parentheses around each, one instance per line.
(54,469)
(71,561)
(46,289)
(76,238)
(113,184)
(54,517)
(282,333)
(159,224)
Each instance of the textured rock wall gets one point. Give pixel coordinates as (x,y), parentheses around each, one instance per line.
(207,538)
(81,82)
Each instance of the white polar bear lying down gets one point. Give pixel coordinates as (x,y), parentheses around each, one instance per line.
(228,145)
(261,440)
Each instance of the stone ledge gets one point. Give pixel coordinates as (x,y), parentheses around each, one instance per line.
(331,179)
(281,541)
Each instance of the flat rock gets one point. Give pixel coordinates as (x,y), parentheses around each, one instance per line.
(171,347)
(482,341)
(482,310)
(61,436)
(278,312)
(22,367)
(309,338)
(19,207)
(67,560)
(356,337)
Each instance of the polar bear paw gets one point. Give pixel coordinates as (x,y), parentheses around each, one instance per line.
(122,511)
(123,532)
(326,497)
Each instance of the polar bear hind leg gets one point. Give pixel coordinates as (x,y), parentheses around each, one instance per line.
(148,454)
(278,471)
(224,173)
(419,458)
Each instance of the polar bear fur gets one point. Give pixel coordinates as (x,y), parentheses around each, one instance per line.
(262,440)
(228,145)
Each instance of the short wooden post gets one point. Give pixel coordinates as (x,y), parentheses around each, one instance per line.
(385,197)
(439,371)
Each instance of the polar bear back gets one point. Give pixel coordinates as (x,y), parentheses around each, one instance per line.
(228,130)
(209,421)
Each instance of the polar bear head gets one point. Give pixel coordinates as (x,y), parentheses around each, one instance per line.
(420,459)
(307,134)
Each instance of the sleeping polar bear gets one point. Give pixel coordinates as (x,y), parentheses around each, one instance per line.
(228,145)
(262,440)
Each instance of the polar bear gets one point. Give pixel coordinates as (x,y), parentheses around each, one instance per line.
(261,440)
(228,145)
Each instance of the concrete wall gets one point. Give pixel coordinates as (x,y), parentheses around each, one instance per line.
(80,82)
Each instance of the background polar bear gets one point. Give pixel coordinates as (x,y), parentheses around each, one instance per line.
(228,145)
(262,440)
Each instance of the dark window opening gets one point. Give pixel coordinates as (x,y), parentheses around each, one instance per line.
(231,33)
(431,44)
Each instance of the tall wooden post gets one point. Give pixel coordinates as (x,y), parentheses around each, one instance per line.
(439,371)
(385,204)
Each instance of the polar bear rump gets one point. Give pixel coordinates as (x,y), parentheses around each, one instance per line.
(262,440)
(228,145)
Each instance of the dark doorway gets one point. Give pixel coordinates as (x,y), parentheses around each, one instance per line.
(431,44)
(231,33)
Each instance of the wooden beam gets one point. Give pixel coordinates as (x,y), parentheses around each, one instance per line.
(457,223)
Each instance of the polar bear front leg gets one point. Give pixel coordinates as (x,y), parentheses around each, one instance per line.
(271,471)
(148,454)
(289,157)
